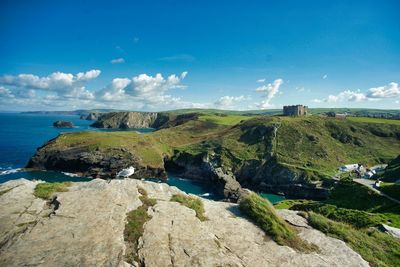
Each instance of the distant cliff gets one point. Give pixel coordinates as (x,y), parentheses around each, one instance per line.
(126,120)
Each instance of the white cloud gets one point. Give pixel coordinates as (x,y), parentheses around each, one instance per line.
(116,90)
(392,90)
(117,60)
(91,74)
(261,80)
(149,91)
(269,91)
(325,76)
(64,84)
(227,102)
(387,91)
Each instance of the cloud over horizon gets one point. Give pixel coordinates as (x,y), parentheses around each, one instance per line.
(391,90)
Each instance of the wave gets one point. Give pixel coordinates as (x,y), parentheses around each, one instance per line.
(205,195)
(9,171)
(70,174)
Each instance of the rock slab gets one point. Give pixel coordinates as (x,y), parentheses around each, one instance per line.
(87,230)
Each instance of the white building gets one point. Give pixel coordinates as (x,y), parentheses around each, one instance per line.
(348,168)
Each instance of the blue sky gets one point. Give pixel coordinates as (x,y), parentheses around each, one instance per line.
(160,55)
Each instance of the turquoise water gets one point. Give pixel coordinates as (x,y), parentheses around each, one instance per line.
(272,198)
(189,186)
(21,134)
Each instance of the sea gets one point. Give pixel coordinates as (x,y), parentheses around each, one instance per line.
(22,133)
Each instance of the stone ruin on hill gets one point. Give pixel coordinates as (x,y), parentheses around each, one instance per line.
(296,110)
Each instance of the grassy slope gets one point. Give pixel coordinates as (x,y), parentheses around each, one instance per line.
(379,249)
(303,143)
(354,204)
(391,189)
(373,120)
(392,171)
(349,214)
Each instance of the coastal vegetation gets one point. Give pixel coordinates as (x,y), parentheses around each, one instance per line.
(46,190)
(263,214)
(134,227)
(234,139)
(379,249)
(352,213)
(373,120)
(351,203)
(191,202)
(391,172)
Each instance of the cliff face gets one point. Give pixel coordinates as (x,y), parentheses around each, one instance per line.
(87,229)
(126,120)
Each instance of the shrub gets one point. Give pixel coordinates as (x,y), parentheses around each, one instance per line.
(263,214)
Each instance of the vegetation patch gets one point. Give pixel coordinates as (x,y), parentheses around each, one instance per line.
(379,249)
(351,203)
(224,119)
(391,189)
(263,214)
(191,202)
(391,172)
(135,224)
(46,190)
(374,120)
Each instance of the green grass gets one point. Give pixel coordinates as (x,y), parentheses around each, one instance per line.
(391,189)
(191,202)
(373,120)
(224,119)
(237,139)
(263,214)
(134,227)
(379,249)
(46,190)
(391,172)
(352,203)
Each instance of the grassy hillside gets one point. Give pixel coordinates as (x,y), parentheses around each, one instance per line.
(312,146)
(350,214)
(373,120)
(392,171)
(352,203)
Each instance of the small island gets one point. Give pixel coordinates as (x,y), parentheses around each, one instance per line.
(63,124)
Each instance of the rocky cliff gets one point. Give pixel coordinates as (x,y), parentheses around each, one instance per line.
(127,120)
(272,154)
(87,229)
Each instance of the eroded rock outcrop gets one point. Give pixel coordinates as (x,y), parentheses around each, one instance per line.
(63,124)
(87,230)
(126,120)
(92,163)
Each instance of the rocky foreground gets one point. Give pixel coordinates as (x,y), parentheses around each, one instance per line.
(87,229)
